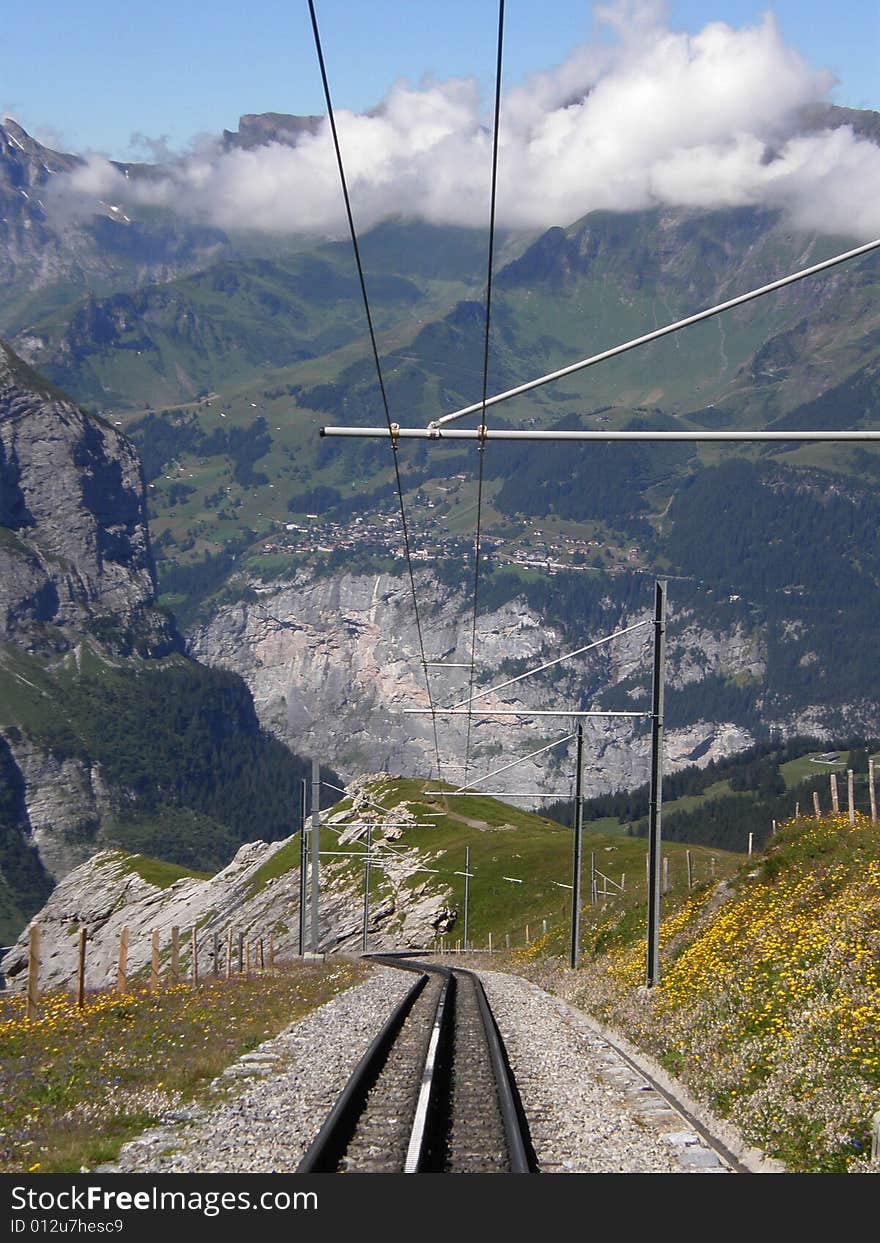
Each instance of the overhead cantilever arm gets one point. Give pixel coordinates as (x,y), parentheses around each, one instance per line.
(694,435)
(479,406)
(438,428)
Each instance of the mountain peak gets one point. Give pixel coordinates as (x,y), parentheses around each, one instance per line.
(258,129)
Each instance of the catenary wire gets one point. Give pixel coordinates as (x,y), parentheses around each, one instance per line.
(482,443)
(375,349)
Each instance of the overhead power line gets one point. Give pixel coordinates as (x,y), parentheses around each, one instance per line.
(360,270)
(482,444)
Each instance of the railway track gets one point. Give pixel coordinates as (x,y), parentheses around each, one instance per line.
(433,1093)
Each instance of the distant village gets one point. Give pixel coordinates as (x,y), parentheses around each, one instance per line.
(380,536)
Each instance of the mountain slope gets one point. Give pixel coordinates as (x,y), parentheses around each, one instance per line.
(109,733)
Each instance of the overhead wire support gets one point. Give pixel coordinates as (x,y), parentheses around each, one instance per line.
(522,759)
(694,436)
(549,664)
(555,794)
(438,429)
(487,713)
(331,116)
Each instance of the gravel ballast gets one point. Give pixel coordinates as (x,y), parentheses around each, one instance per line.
(589,1109)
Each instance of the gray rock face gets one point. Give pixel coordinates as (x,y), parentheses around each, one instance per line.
(336,664)
(63,802)
(52,244)
(75,566)
(256,895)
(74,545)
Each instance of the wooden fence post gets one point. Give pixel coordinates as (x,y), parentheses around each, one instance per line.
(175,955)
(228,953)
(247,957)
(507,940)
(122,968)
(262,962)
(817,810)
(33,975)
(240,952)
(690,867)
(850,795)
(871,791)
(81,968)
(835,802)
(271,952)
(751,842)
(154,962)
(712,866)
(195,956)
(528,938)
(490,942)
(666,873)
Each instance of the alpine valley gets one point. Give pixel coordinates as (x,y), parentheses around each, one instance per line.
(199,592)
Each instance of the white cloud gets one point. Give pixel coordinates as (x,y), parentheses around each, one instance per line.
(640,116)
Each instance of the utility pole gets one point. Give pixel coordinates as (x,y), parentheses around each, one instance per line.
(467,891)
(578,836)
(303,866)
(367,884)
(316,845)
(656,805)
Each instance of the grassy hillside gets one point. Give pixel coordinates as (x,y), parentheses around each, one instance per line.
(768,1005)
(520,863)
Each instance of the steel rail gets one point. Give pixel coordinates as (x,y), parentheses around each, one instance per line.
(516,1130)
(508,1098)
(326,1149)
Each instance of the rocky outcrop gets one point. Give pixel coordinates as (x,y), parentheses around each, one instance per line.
(254,896)
(76,573)
(75,551)
(336,664)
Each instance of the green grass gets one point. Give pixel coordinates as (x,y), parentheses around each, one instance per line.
(805,767)
(77,1084)
(284,860)
(161,875)
(508,842)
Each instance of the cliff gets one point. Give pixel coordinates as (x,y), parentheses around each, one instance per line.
(109,734)
(335,663)
(75,551)
(255,895)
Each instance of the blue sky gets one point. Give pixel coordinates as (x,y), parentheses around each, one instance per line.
(91,74)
